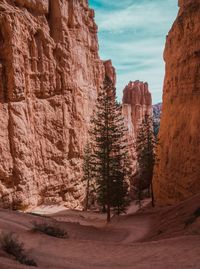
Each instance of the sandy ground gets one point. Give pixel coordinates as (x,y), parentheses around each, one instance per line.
(146,239)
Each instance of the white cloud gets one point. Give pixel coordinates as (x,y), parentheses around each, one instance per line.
(132,34)
(146,15)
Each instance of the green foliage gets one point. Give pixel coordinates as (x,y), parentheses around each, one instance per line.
(50,229)
(157,111)
(11,245)
(156,127)
(88,175)
(145,146)
(110,157)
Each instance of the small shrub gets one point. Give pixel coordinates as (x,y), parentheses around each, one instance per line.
(197,212)
(11,245)
(50,229)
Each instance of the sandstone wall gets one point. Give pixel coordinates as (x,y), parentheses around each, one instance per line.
(137,102)
(50,73)
(177,175)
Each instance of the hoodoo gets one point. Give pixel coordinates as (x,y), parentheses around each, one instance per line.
(50,73)
(110,71)
(137,103)
(177,175)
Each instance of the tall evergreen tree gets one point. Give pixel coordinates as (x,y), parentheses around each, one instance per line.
(145,146)
(110,154)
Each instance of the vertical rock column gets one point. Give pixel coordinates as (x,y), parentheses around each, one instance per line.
(177,175)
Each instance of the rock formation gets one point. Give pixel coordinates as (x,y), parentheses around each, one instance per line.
(50,73)
(110,71)
(136,104)
(177,175)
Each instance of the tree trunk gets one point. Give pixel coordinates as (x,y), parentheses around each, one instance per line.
(108,212)
(152,196)
(104,209)
(87,196)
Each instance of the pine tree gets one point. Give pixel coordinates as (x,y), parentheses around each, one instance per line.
(110,155)
(145,147)
(138,187)
(120,164)
(88,174)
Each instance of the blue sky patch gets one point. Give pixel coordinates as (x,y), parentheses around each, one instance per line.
(132,33)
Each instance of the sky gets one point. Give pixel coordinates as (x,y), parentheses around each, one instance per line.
(132,34)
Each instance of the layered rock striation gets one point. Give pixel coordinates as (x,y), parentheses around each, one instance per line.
(50,73)
(177,175)
(137,103)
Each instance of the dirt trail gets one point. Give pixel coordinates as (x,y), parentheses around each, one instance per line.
(94,245)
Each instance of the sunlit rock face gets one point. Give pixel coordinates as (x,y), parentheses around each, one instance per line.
(177,175)
(110,71)
(137,103)
(38,6)
(50,73)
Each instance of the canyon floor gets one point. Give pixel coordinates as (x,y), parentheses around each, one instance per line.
(159,238)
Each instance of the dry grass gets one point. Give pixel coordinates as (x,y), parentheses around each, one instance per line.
(11,245)
(50,229)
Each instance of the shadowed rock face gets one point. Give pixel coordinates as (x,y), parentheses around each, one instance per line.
(177,175)
(186,3)
(137,102)
(50,73)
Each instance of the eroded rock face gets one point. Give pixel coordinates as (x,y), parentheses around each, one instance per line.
(50,73)
(177,175)
(110,71)
(37,6)
(137,103)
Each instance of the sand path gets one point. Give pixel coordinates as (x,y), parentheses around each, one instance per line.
(94,245)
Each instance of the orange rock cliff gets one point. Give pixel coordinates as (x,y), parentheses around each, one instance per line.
(177,175)
(50,73)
